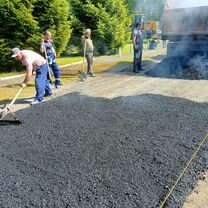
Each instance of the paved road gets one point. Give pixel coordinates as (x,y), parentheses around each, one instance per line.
(117,140)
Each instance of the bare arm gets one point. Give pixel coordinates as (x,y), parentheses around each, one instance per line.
(42,46)
(29,73)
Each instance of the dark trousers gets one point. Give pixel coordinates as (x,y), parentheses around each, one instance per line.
(41,83)
(137,60)
(89,57)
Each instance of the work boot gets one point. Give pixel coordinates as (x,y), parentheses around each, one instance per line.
(58,83)
(35,102)
(92,74)
(48,94)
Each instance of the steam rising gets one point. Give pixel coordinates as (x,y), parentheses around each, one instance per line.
(186,3)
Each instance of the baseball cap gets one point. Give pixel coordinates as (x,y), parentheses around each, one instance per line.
(16,51)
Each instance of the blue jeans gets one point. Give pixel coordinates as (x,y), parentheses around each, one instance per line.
(137,60)
(42,83)
(54,67)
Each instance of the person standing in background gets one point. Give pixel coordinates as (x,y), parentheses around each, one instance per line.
(138,47)
(88,49)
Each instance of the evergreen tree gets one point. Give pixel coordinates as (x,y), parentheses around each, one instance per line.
(108,20)
(17,25)
(152,9)
(53,15)
(23,23)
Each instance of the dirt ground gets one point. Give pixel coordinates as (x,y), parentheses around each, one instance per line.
(117,140)
(199,197)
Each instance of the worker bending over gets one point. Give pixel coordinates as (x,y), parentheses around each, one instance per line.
(34,63)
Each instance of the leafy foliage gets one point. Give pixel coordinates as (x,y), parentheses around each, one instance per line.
(152,9)
(24,21)
(107,19)
(54,16)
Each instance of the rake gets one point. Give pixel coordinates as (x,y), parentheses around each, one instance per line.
(83,76)
(53,86)
(7,109)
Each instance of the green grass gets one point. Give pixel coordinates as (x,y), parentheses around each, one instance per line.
(9,74)
(68,60)
(128,48)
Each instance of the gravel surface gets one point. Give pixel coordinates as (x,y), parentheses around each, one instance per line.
(82,151)
(119,140)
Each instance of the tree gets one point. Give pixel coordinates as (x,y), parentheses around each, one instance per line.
(24,21)
(17,25)
(53,15)
(108,20)
(151,9)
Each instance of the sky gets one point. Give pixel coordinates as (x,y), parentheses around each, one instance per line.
(186,3)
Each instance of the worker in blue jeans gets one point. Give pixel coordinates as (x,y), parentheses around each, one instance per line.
(35,64)
(47,48)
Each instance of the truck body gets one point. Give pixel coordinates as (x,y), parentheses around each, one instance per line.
(186,29)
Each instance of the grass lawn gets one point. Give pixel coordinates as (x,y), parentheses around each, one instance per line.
(9,74)
(68,60)
(60,61)
(7,93)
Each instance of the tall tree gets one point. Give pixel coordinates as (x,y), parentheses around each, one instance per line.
(152,9)
(17,25)
(24,21)
(108,20)
(53,15)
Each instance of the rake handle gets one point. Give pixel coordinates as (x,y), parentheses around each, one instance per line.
(83,64)
(49,71)
(15,97)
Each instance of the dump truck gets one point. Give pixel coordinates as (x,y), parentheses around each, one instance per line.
(152,28)
(186,30)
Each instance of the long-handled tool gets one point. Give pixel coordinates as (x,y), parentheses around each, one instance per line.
(83,76)
(7,109)
(49,71)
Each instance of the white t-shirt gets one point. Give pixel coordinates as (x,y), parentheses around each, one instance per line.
(32,60)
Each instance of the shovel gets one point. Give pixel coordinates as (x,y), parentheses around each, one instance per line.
(83,76)
(7,109)
(49,71)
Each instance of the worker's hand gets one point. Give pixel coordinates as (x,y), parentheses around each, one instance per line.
(42,41)
(23,85)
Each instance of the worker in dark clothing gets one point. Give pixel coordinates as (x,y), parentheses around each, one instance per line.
(138,47)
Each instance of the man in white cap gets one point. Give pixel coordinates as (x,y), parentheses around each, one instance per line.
(88,51)
(34,63)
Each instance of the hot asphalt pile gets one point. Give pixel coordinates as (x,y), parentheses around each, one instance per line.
(180,68)
(82,152)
